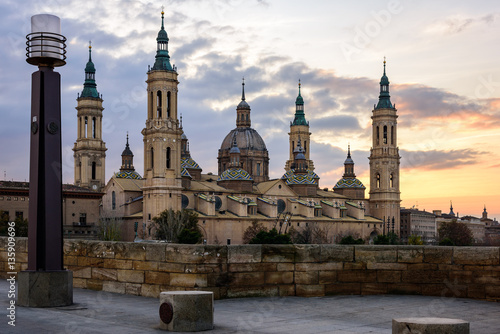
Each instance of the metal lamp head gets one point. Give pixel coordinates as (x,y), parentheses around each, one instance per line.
(45,46)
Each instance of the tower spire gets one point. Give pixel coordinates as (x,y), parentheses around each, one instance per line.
(384,99)
(300,118)
(243,90)
(162,58)
(90,86)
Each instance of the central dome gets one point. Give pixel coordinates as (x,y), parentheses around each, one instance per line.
(246,139)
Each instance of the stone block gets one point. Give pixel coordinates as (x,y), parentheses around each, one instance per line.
(424,276)
(195,254)
(75,248)
(287,290)
(130,251)
(105,274)
(205,268)
(343,289)
(476,291)
(423,266)
(430,326)
(130,276)
(380,254)
(45,288)
(248,278)
(70,260)
(404,289)
(93,284)
(476,255)
(327,277)
(310,290)
(410,254)
(386,266)
(307,253)
(117,264)
(253,291)
(279,277)
(373,288)
(218,280)
(318,266)
(21,245)
(156,277)
(248,267)
(486,277)
(145,265)
(278,253)
(188,280)
(244,253)
(388,276)
(337,253)
(354,266)
(111,286)
(156,252)
(171,267)
(438,254)
(357,276)
(150,290)
(435,290)
(306,277)
(85,272)
(80,283)
(84,261)
(285,266)
(461,277)
(103,249)
(133,289)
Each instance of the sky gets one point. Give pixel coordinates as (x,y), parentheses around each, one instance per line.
(442,62)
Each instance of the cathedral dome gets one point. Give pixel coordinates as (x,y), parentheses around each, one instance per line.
(246,139)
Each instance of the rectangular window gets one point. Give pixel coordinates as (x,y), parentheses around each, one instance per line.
(258,169)
(83,219)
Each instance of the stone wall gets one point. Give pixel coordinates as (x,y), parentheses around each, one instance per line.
(278,270)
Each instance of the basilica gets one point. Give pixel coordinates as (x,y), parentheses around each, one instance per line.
(242,193)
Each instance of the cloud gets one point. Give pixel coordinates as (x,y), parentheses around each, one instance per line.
(458,24)
(439,159)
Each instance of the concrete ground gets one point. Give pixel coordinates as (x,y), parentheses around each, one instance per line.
(104,312)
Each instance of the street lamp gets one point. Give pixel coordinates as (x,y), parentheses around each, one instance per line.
(45,283)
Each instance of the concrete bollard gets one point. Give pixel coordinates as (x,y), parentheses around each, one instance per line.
(186,311)
(430,326)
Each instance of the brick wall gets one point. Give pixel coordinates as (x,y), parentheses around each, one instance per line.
(284,270)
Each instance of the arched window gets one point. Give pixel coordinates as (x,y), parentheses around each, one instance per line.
(391,181)
(150,111)
(113,201)
(168,104)
(93,170)
(152,158)
(392,135)
(378,136)
(158,104)
(80,170)
(93,127)
(247,117)
(305,146)
(86,127)
(378,180)
(385,134)
(168,157)
(293,146)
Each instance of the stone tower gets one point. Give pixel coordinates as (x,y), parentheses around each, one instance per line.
(162,135)
(385,196)
(299,128)
(127,159)
(90,149)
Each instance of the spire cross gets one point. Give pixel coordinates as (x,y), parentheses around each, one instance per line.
(384,65)
(181,120)
(162,12)
(90,50)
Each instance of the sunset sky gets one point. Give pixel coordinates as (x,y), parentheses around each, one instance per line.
(443,62)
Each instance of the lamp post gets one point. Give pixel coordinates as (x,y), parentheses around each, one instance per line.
(45,283)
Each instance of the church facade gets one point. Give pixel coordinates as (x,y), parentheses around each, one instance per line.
(242,193)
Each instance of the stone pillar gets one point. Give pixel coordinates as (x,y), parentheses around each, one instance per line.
(186,311)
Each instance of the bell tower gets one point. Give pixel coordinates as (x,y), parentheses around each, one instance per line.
(90,149)
(162,135)
(299,128)
(385,196)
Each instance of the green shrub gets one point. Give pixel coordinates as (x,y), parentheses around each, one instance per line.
(349,240)
(271,237)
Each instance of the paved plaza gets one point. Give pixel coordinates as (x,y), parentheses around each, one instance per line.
(105,312)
